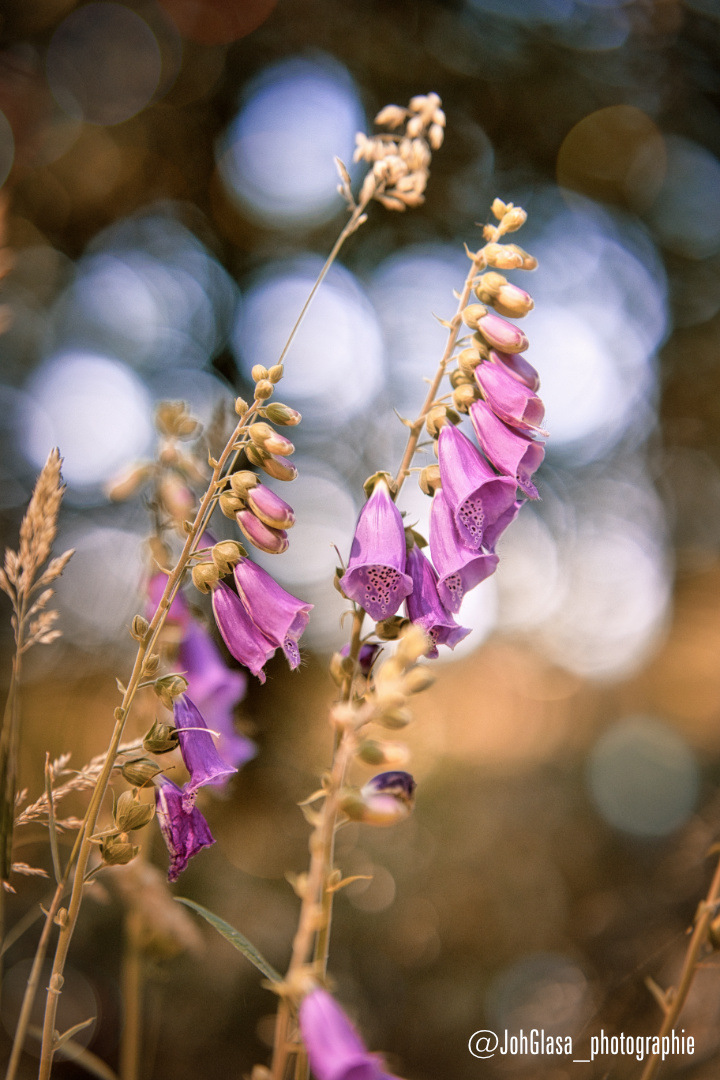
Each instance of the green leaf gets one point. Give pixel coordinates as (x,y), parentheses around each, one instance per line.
(236,939)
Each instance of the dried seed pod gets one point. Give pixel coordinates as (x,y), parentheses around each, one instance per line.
(131,813)
(429,480)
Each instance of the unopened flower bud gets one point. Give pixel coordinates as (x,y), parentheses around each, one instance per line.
(435,419)
(527,262)
(514,219)
(375,752)
(270,508)
(161,738)
(384,800)
(401,785)
(283,415)
(341,668)
(140,771)
(499,208)
(503,256)
(275,373)
(241,406)
(413,644)
(262,536)
(267,438)
(391,116)
(278,469)
(176,497)
(117,850)
(150,666)
(436,136)
(230,503)
(173,419)
(472,313)
(128,482)
(469,359)
(139,628)
(458,377)
(226,554)
(390,629)
(417,679)
(131,813)
(429,480)
(242,482)
(464,396)
(487,286)
(502,335)
(263,390)
(512,301)
(394,719)
(168,688)
(258,372)
(205,575)
(366,656)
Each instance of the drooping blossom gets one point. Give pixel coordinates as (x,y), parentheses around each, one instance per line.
(477,497)
(518,366)
(509,398)
(335,1050)
(243,637)
(509,450)
(262,536)
(215,689)
(270,508)
(501,334)
(280,616)
(185,832)
(376,578)
(459,567)
(495,530)
(425,608)
(197,747)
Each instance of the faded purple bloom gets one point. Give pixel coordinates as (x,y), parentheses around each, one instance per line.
(501,334)
(376,578)
(202,760)
(476,496)
(366,656)
(280,616)
(459,567)
(215,689)
(244,639)
(425,608)
(335,1050)
(510,451)
(185,833)
(273,541)
(270,508)
(518,366)
(509,398)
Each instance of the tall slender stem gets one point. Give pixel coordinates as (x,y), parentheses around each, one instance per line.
(131,982)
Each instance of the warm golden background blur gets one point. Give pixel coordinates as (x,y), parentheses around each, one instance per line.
(171,195)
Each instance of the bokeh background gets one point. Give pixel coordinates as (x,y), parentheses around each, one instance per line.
(170,197)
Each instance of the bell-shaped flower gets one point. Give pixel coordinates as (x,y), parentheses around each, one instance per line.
(280,616)
(202,760)
(510,451)
(460,568)
(262,536)
(509,398)
(498,527)
(215,689)
(270,508)
(501,334)
(185,832)
(243,637)
(518,366)
(475,494)
(334,1048)
(425,608)
(376,578)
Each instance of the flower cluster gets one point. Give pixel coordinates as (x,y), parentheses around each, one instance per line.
(475,491)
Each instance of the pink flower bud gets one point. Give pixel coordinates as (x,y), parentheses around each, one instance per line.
(512,301)
(270,508)
(273,541)
(501,334)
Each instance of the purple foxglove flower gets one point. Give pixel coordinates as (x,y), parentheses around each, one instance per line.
(280,616)
(202,760)
(460,568)
(509,398)
(376,578)
(476,496)
(425,608)
(184,833)
(215,690)
(511,452)
(501,334)
(270,508)
(498,527)
(366,656)
(244,639)
(335,1050)
(273,541)
(518,366)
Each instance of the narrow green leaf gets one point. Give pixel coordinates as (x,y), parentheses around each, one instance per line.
(236,939)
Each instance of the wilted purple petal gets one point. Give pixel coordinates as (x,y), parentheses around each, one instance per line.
(215,689)
(244,639)
(280,616)
(270,508)
(518,366)
(475,494)
(202,760)
(460,568)
(265,538)
(511,452)
(509,398)
(376,578)
(425,608)
(335,1050)
(184,833)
